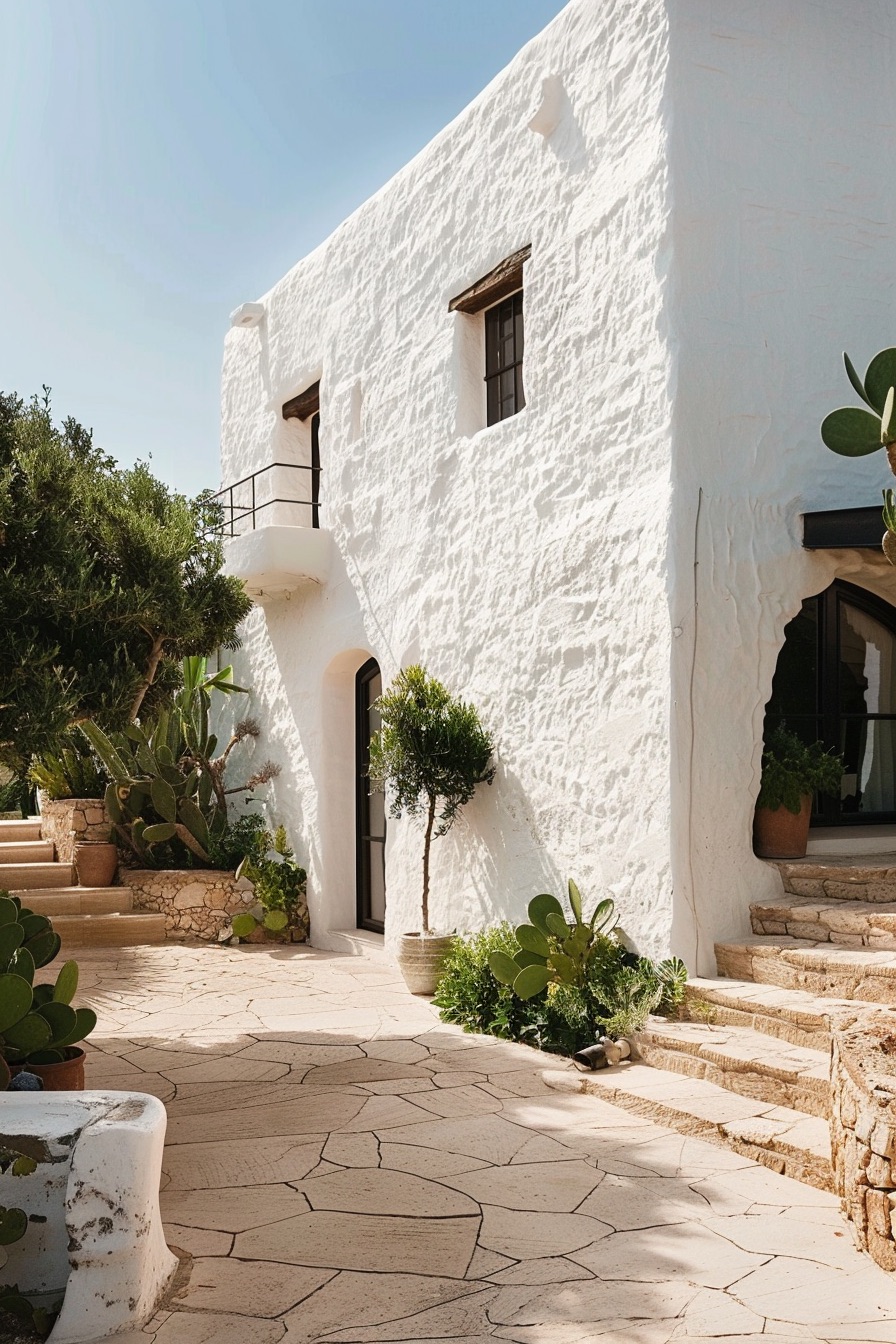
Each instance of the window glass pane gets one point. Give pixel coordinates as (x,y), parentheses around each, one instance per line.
(867,663)
(869,779)
(377,883)
(376,815)
(795,687)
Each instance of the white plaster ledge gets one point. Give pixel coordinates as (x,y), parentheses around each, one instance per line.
(97,1186)
(274,561)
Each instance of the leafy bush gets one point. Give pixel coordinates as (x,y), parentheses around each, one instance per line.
(614,994)
(246,837)
(791,769)
(280,885)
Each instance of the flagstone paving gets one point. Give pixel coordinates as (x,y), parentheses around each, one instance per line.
(342,1167)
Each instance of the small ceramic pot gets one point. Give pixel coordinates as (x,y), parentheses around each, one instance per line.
(66,1076)
(420,959)
(779,833)
(96,863)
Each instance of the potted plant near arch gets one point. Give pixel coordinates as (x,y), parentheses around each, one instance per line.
(431,752)
(792,772)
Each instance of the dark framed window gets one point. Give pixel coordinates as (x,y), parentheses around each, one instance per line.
(504,359)
(370,807)
(835,682)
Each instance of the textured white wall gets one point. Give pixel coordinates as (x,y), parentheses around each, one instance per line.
(524,564)
(783,238)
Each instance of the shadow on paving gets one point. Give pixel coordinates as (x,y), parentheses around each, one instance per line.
(342,1166)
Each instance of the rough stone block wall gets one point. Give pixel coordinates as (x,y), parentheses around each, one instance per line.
(195,901)
(68,821)
(863,1131)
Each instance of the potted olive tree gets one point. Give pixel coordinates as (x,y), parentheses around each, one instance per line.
(792,772)
(430,754)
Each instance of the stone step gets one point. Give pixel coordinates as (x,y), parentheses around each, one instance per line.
(78,901)
(791,1015)
(846,923)
(743,1061)
(840,877)
(818,968)
(16,876)
(20,830)
(26,851)
(130,930)
(787,1141)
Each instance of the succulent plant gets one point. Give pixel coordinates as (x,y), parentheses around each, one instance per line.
(37,1022)
(13,1226)
(280,884)
(551,949)
(167,783)
(854,432)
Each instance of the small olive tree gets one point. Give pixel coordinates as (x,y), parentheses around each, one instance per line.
(431,748)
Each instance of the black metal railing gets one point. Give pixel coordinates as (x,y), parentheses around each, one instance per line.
(240,501)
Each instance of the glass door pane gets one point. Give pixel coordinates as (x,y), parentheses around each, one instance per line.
(370,837)
(866,676)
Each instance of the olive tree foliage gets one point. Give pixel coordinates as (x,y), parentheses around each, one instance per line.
(431,748)
(108,579)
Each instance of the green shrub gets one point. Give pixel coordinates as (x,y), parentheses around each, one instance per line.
(614,997)
(791,769)
(280,885)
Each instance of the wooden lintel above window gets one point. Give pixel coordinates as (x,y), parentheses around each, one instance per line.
(506,278)
(305,404)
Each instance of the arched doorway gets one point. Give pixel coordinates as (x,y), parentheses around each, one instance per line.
(835,682)
(370,807)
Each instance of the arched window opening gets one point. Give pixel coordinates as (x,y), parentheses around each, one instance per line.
(836,682)
(370,811)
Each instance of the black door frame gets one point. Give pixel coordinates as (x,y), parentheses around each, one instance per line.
(363,839)
(827,693)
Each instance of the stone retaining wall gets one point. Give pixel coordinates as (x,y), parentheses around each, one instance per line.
(197,901)
(68,821)
(863,1130)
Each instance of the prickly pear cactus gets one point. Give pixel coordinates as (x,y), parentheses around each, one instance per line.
(552,950)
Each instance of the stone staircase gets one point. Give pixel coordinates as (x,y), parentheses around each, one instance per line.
(82,916)
(750,1066)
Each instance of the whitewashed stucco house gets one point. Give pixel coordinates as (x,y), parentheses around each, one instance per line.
(665,219)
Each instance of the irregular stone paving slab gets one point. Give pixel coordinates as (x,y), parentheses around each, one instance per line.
(654,1254)
(256,1288)
(209,1166)
(526,1236)
(417,1245)
(370,1299)
(543,1187)
(659,1216)
(233,1209)
(388,1192)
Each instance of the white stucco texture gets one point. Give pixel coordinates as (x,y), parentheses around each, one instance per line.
(95,1234)
(606,575)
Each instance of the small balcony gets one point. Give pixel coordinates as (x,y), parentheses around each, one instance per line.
(271,530)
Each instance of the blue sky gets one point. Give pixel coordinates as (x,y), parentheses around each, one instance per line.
(162,161)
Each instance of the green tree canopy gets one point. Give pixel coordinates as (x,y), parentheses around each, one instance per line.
(107,580)
(431,747)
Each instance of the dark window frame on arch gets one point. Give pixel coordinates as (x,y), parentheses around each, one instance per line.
(835,682)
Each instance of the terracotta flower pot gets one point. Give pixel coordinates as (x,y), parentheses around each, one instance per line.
(66,1076)
(96,863)
(420,960)
(779,833)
